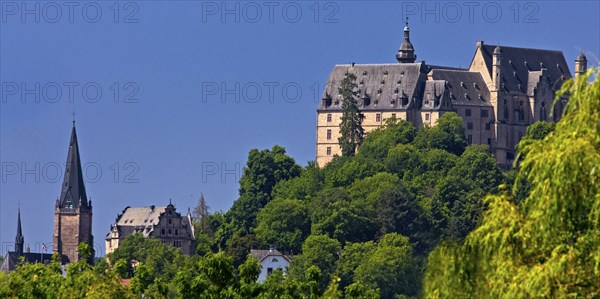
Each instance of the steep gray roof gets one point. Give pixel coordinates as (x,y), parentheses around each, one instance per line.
(518,62)
(380,86)
(464,87)
(142,220)
(436,96)
(73,189)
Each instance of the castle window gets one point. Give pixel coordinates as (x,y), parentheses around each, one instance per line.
(329,117)
(162,231)
(170,221)
(467,112)
(328,134)
(427,116)
(394,115)
(378,117)
(469,139)
(177,232)
(329,151)
(269,271)
(170,231)
(487,126)
(489,141)
(484,113)
(470,126)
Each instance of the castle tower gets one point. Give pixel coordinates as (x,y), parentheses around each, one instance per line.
(19,240)
(406,53)
(580,65)
(73,210)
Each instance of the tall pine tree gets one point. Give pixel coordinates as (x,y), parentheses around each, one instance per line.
(351,129)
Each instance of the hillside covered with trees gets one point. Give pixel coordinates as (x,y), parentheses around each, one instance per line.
(414,213)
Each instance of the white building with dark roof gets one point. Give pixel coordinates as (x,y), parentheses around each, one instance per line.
(163,223)
(270,260)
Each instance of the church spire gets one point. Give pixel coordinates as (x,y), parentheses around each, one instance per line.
(406,53)
(19,240)
(73,193)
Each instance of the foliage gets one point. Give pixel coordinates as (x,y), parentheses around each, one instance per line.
(351,131)
(548,245)
(285,223)
(448,134)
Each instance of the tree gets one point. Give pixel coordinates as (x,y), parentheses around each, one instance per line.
(448,134)
(320,252)
(263,171)
(285,223)
(390,268)
(351,131)
(201,211)
(379,141)
(548,245)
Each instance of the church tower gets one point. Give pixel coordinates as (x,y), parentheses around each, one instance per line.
(73,210)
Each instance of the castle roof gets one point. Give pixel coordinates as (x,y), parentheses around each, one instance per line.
(463,87)
(380,86)
(518,62)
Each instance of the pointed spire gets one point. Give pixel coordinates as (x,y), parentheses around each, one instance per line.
(73,193)
(19,240)
(406,53)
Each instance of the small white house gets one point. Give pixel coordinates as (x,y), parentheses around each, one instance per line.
(270,260)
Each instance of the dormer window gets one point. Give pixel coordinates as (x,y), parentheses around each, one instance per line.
(385,73)
(463,85)
(364,73)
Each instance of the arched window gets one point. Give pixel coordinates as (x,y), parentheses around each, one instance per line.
(543,111)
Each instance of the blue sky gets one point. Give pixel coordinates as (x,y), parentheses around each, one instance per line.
(171,95)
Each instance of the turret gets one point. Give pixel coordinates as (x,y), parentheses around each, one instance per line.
(406,53)
(580,65)
(497,68)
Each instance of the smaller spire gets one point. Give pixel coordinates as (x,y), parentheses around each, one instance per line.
(19,240)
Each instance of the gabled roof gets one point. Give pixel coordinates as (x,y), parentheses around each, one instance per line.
(261,254)
(464,87)
(518,62)
(73,189)
(380,86)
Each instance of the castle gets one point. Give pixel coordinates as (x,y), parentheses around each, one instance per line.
(504,90)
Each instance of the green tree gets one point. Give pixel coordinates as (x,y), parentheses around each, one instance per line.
(448,134)
(379,141)
(318,251)
(263,171)
(351,131)
(548,245)
(390,268)
(285,223)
